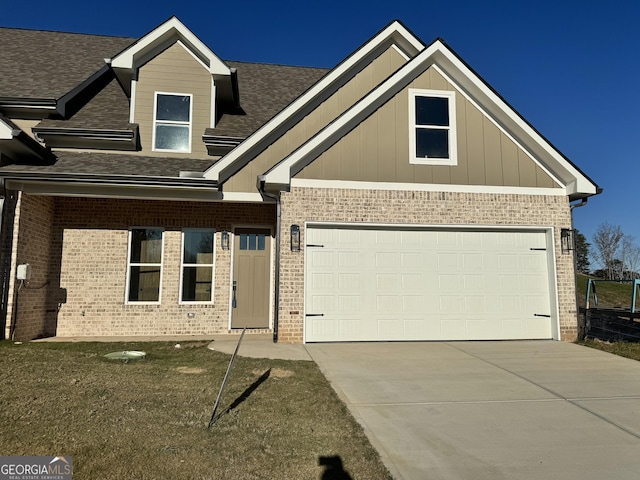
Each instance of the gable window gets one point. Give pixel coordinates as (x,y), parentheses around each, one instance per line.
(144,265)
(197,266)
(172,122)
(432,138)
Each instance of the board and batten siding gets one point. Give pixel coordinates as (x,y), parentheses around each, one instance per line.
(377,150)
(362,83)
(173,71)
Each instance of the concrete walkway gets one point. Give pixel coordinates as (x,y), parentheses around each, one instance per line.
(491,410)
(477,410)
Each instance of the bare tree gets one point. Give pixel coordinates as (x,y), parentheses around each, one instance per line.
(630,256)
(606,242)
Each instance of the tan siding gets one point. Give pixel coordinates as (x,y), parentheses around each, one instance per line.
(527,170)
(486,155)
(475,146)
(174,71)
(492,153)
(509,168)
(356,88)
(386,142)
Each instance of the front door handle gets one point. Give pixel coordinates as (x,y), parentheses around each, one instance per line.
(233,299)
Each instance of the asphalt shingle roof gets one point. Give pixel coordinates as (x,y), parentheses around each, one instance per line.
(109,109)
(115,164)
(265,89)
(46,64)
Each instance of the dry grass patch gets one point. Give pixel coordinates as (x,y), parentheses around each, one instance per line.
(623,349)
(147,419)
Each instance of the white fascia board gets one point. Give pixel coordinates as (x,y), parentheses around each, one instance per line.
(7,132)
(282,172)
(508,119)
(395,34)
(436,54)
(168,31)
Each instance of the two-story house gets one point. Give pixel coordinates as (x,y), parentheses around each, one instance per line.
(155,189)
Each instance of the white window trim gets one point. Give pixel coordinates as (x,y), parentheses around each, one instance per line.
(130,264)
(212,265)
(453,143)
(172,122)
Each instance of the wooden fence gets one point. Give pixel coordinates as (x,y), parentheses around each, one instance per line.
(610,324)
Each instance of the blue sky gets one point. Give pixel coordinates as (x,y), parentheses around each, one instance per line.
(571,68)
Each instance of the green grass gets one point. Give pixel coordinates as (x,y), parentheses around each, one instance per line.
(610,294)
(147,419)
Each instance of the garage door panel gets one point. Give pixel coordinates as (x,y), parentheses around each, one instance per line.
(426,285)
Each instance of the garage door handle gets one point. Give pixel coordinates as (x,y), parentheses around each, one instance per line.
(539,249)
(541,315)
(317,246)
(314,315)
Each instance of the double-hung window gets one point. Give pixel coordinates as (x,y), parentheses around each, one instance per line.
(197,266)
(144,269)
(432,132)
(172,122)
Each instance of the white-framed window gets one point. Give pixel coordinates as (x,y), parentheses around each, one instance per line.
(197,265)
(432,132)
(144,265)
(172,114)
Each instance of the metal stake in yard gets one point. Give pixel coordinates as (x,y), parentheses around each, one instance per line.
(224,382)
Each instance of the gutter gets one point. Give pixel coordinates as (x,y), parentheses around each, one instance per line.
(85,133)
(110,139)
(581,326)
(276,295)
(129,180)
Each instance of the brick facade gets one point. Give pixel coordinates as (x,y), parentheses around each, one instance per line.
(302,205)
(86,250)
(31,304)
(78,251)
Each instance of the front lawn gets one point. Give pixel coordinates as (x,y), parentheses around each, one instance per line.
(147,419)
(623,349)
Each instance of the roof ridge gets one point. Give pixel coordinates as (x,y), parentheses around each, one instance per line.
(277,64)
(34,30)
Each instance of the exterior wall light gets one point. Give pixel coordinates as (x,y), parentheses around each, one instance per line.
(567,241)
(225,240)
(295,238)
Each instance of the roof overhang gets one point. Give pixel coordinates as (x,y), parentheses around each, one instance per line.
(159,39)
(218,145)
(29,108)
(576,183)
(395,34)
(113,186)
(103,139)
(17,145)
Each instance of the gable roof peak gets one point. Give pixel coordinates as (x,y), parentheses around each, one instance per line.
(159,39)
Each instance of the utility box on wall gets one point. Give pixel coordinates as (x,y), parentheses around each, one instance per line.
(24,272)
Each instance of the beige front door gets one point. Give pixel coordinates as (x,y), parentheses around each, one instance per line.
(251,278)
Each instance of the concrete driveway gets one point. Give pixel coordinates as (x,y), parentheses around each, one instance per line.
(491,410)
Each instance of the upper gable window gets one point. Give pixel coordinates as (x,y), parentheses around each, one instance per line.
(172,122)
(432,133)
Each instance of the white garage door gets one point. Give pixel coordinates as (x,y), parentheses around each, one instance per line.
(368,284)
